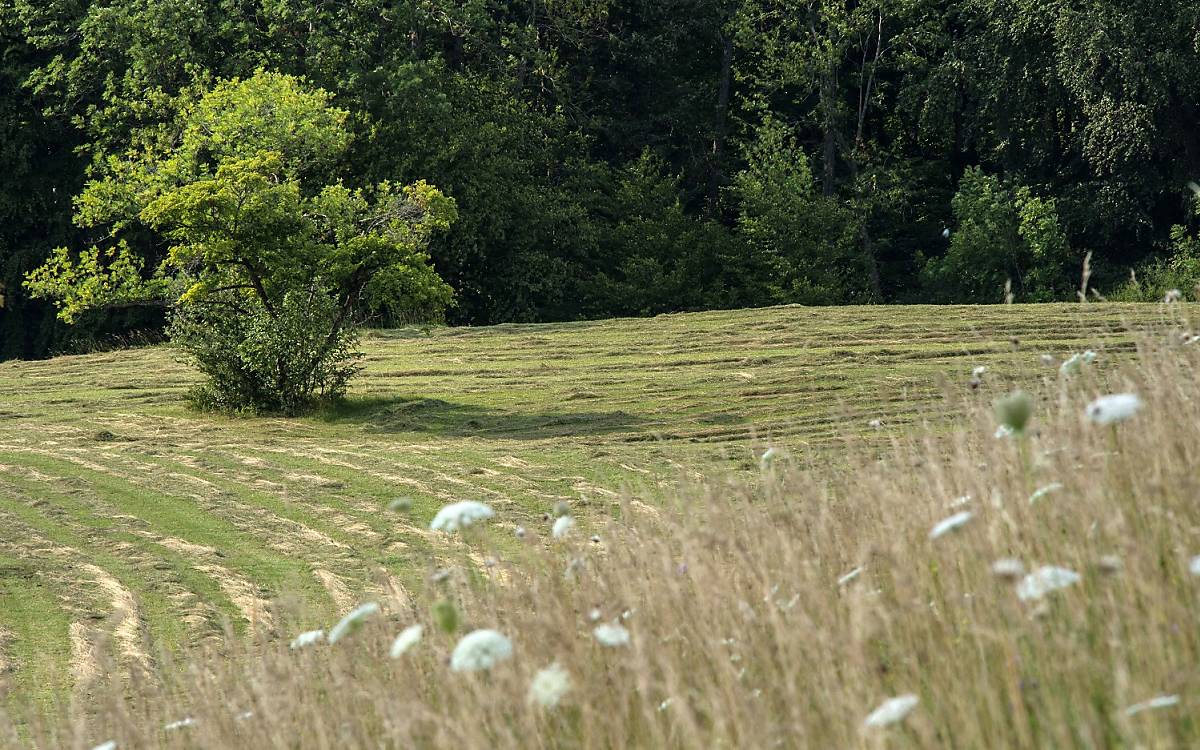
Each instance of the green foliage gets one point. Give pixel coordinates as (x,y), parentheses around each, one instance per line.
(1004,234)
(798,239)
(653,257)
(282,361)
(250,229)
(1180,271)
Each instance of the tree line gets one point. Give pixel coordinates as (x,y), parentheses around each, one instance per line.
(633,157)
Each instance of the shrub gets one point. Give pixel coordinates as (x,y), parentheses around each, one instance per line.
(256,362)
(1153,279)
(1005,234)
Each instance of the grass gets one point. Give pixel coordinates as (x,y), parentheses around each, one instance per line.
(137,528)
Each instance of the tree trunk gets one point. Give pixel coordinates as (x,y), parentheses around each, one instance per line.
(829,125)
(870,261)
(715,172)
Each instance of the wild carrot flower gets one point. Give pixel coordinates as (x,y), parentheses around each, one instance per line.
(849,576)
(307,638)
(460,515)
(611,634)
(1014,411)
(562,526)
(549,686)
(1113,409)
(1041,492)
(1044,580)
(181,724)
(352,621)
(408,638)
(768,458)
(959,501)
(947,525)
(480,650)
(445,615)
(1073,364)
(1161,701)
(892,710)
(1008,567)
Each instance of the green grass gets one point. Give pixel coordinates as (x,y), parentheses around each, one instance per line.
(198,518)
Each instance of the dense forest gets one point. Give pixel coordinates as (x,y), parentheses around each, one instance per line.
(632,157)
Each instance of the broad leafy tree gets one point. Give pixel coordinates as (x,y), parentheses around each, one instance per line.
(267,261)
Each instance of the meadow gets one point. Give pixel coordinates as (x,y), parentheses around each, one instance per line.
(768,603)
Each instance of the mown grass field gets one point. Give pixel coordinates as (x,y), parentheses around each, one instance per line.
(128,522)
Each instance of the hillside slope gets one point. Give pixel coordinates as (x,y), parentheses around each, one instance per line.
(127,520)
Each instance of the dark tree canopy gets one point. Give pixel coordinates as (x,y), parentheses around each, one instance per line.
(629,157)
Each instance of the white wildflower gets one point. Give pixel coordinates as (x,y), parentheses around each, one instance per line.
(1073,364)
(959,501)
(1194,566)
(1008,567)
(1115,408)
(307,638)
(611,634)
(1045,580)
(892,710)
(549,686)
(562,527)
(480,650)
(1172,295)
(1003,431)
(1048,360)
(408,638)
(520,532)
(665,705)
(1041,492)
(181,724)
(460,515)
(110,745)
(849,576)
(769,457)
(946,233)
(947,525)
(594,615)
(352,621)
(245,715)
(1161,701)
(979,371)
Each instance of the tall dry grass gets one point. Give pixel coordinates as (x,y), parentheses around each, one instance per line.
(742,635)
